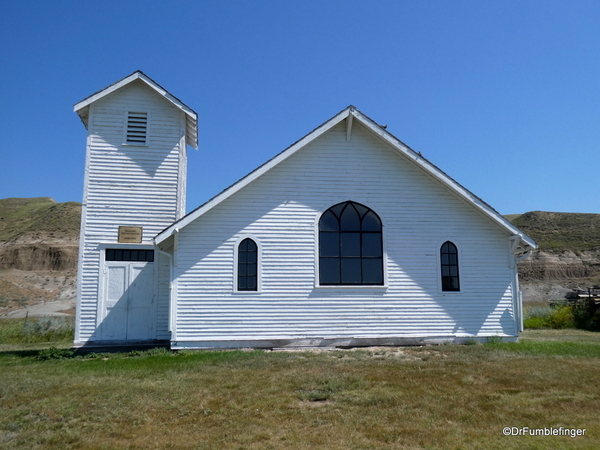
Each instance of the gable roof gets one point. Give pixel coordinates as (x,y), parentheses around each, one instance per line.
(351,114)
(191,132)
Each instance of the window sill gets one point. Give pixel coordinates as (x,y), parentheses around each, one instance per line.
(350,287)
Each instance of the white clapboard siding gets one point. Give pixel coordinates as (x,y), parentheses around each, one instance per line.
(163,296)
(129,185)
(281,209)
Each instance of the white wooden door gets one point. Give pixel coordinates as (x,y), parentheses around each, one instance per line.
(114,325)
(129,301)
(140,317)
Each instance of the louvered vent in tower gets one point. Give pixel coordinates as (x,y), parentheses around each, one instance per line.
(137,125)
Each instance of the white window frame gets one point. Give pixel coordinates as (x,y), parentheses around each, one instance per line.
(341,287)
(438,258)
(258,264)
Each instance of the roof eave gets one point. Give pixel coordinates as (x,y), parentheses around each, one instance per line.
(444,178)
(385,135)
(276,160)
(82,107)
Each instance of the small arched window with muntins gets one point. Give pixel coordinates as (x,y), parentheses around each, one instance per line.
(449,267)
(350,246)
(247,266)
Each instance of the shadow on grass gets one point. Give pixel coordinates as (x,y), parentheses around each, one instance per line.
(19,353)
(54,353)
(129,352)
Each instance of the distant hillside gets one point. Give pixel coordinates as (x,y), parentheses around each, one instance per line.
(557,232)
(38,218)
(39,234)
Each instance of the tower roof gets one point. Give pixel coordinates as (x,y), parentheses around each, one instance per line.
(191,133)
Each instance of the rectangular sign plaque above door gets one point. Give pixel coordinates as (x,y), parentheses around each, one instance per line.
(130,235)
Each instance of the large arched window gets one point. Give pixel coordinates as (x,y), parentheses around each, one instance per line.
(449,266)
(350,246)
(247,266)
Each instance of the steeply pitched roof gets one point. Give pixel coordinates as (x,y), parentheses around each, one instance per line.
(82,108)
(351,114)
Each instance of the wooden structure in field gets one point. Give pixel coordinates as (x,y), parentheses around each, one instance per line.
(134,187)
(346,238)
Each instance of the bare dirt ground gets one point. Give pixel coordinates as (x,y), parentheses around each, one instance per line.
(545,291)
(37,293)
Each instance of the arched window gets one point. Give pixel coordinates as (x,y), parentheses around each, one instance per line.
(350,246)
(449,266)
(247,270)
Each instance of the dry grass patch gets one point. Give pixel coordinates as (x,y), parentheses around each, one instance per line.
(457,397)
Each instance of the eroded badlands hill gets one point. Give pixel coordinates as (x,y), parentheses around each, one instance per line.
(39,242)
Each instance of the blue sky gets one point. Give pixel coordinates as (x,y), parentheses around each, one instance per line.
(503,96)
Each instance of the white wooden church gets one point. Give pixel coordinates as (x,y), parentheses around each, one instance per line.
(346,238)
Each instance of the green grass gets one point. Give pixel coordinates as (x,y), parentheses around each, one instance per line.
(437,397)
(558,317)
(36,330)
(551,349)
(18,215)
(561,316)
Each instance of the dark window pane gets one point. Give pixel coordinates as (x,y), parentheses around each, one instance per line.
(251,245)
(351,244)
(371,222)
(130,255)
(351,271)
(329,270)
(450,284)
(361,209)
(247,265)
(371,244)
(445,283)
(350,220)
(372,271)
(337,209)
(449,266)
(329,244)
(328,222)
(454,283)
